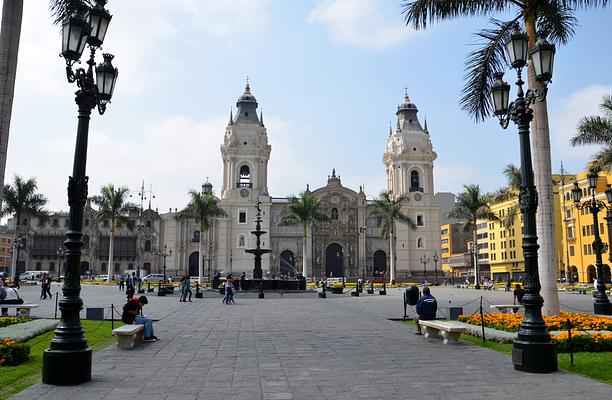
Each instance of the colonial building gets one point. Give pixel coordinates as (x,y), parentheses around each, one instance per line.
(349,244)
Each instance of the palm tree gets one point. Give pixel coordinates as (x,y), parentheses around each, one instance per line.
(389,208)
(553,19)
(304,210)
(470,206)
(21,199)
(203,207)
(598,130)
(114,207)
(10,31)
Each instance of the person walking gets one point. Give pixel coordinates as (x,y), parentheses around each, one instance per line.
(121,282)
(229,290)
(426,309)
(48,281)
(43,286)
(518,296)
(185,288)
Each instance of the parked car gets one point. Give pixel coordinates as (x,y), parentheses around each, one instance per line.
(335,281)
(101,278)
(32,275)
(154,278)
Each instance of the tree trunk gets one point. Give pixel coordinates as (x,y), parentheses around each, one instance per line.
(305,252)
(110,251)
(392,256)
(201,255)
(10,31)
(545,218)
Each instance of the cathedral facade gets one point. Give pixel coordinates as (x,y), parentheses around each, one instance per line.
(348,244)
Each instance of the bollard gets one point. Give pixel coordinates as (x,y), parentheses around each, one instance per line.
(112,317)
(261,292)
(569,339)
(482,321)
(56,300)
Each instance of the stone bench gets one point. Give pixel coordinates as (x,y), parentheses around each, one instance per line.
(129,336)
(21,309)
(448,331)
(503,308)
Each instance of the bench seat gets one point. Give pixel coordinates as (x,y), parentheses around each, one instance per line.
(448,331)
(129,336)
(503,308)
(21,309)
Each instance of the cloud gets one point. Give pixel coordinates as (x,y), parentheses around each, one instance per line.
(362,23)
(564,116)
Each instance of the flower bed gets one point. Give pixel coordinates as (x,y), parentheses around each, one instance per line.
(7,321)
(596,342)
(512,322)
(13,353)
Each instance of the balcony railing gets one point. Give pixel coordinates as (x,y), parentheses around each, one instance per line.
(244,185)
(416,189)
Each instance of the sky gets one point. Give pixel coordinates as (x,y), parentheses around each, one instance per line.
(328,75)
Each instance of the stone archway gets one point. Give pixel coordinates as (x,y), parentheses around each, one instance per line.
(287,263)
(606,274)
(574,272)
(591,274)
(334,261)
(193,263)
(379,263)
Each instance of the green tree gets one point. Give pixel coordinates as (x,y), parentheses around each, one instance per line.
(597,129)
(470,206)
(113,205)
(204,207)
(10,32)
(389,209)
(21,200)
(553,19)
(304,210)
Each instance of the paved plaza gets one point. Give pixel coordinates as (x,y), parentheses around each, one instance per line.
(303,347)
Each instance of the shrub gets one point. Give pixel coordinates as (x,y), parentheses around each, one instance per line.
(13,353)
(512,322)
(7,321)
(596,342)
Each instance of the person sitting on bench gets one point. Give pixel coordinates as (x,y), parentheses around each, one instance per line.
(9,296)
(132,315)
(425,309)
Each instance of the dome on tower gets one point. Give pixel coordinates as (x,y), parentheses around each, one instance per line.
(246,105)
(407,120)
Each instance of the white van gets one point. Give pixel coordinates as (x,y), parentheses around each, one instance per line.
(32,275)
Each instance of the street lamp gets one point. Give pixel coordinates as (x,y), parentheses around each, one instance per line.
(61,252)
(533,350)
(165,253)
(424,260)
(602,303)
(68,360)
(19,243)
(435,260)
(474,253)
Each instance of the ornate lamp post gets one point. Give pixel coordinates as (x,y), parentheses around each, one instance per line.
(435,260)
(68,360)
(61,252)
(165,253)
(19,243)
(533,350)
(602,303)
(424,260)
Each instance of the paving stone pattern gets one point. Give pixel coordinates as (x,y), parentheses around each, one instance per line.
(305,348)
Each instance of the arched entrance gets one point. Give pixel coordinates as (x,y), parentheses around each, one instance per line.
(193,263)
(84,269)
(591,275)
(147,267)
(574,270)
(334,261)
(287,263)
(606,274)
(380,263)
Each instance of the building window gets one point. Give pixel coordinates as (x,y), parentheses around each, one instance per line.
(242,217)
(420,243)
(38,266)
(147,245)
(420,220)
(241,240)
(117,267)
(414,180)
(148,224)
(245,176)
(85,242)
(334,214)
(105,223)
(571,249)
(55,222)
(196,237)
(52,266)
(87,222)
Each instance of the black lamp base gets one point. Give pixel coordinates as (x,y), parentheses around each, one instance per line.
(62,367)
(602,308)
(533,357)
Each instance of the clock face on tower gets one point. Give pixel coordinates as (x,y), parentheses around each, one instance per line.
(244,192)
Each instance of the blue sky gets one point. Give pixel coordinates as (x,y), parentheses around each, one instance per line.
(328,75)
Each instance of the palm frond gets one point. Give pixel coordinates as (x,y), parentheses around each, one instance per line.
(556,21)
(481,66)
(513,175)
(584,3)
(593,130)
(61,9)
(602,160)
(606,106)
(422,12)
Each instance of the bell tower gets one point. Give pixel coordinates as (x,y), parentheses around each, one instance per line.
(245,152)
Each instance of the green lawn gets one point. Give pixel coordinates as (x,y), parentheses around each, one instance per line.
(592,365)
(15,379)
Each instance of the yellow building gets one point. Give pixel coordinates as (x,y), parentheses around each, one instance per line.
(505,238)
(577,228)
(453,245)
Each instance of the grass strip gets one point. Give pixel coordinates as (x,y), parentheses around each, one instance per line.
(15,379)
(592,365)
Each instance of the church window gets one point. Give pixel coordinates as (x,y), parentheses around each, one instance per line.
(242,217)
(148,223)
(420,243)
(334,214)
(196,237)
(414,181)
(245,176)
(148,245)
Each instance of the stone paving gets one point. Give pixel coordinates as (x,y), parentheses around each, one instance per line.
(303,347)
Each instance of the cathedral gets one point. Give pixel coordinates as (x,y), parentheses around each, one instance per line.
(348,244)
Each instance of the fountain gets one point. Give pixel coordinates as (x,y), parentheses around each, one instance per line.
(258,251)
